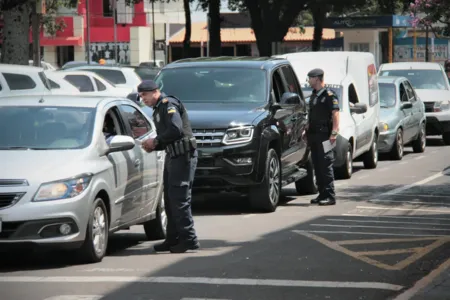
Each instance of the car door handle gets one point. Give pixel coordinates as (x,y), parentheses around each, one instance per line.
(137,163)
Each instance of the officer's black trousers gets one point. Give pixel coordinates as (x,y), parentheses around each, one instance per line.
(323,165)
(178,179)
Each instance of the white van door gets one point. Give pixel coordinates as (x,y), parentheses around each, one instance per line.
(362,138)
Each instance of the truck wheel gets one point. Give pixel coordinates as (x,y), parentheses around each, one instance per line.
(397,149)
(156,229)
(446,138)
(370,159)
(97,232)
(346,170)
(307,185)
(420,143)
(265,197)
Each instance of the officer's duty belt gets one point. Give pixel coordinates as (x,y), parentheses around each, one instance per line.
(181,147)
(319,128)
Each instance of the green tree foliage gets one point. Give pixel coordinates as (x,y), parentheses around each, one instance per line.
(427,12)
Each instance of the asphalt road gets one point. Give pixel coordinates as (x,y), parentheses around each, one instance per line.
(390,229)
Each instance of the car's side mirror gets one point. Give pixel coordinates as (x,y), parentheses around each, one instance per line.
(358,108)
(121,143)
(406,105)
(290,99)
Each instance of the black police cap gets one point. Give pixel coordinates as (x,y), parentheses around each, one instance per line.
(315,73)
(147,86)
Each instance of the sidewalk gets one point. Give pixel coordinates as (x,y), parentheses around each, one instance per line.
(438,289)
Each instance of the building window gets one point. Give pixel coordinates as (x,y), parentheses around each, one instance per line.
(360,47)
(107,8)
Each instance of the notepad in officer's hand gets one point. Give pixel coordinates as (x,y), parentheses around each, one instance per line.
(328,146)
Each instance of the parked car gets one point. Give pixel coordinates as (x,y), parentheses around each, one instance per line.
(89,83)
(23,80)
(431,84)
(119,76)
(145,72)
(352,76)
(61,183)
(248,117)
(44,65)
(402,119)
(74,64)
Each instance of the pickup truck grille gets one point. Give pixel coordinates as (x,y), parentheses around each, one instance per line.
(429,106)
(209,137)
(9,199)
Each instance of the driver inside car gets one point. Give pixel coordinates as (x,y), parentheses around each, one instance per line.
(109,130)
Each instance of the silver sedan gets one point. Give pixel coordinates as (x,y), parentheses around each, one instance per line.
(402,117)
(73,171)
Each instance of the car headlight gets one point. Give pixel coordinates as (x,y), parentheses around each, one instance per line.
(238,135)
(441,105)
(64,189)
(383,127)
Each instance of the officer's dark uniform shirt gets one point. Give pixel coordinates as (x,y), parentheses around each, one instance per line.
(171,121)
(321,105)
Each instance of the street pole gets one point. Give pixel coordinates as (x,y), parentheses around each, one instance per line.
(36,32)
(207,32)
(115,29)
(88,33)
(153,34)
(426,43)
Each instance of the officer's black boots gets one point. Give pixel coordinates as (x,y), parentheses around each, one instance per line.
(183,247)
(327,201)
(316,200)
(163,247)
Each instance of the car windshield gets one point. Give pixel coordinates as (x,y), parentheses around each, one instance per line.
(45,127)
(307,91)
(388,94)
(208,84)
(421,79)
(146,73)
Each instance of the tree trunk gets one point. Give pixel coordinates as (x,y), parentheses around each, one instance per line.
(188,29)
(319,12)
(215,43)
(16,30)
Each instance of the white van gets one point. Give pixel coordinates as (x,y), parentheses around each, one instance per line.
(353,76)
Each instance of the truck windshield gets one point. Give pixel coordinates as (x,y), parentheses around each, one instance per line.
(421,79)
(208,84)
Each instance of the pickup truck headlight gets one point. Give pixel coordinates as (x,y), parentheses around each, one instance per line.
(238,135)
(441,106)
(64,189)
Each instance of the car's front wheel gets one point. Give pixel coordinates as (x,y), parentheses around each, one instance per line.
(265,197)
(97,233)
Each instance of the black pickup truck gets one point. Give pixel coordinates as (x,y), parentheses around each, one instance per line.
(248,116)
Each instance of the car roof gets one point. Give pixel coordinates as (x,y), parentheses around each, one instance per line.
(19,68)
(391,79)
(74,72)
(98,67)
(56,100)
(410,66)
(228,61)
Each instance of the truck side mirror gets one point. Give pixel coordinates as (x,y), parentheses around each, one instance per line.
(358,108)
(290,98)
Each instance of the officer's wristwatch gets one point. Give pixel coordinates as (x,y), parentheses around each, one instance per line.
(334,132)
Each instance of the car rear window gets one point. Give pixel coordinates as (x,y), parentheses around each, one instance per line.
(19,81)
(115,76)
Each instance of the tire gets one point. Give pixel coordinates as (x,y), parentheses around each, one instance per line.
(307,185)
(266,196)
(98,218)
(420,143)
(446,138)
(397,148)
(156,229)
(370,159)
(346,170)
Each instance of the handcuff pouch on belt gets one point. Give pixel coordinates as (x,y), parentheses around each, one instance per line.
(185,146)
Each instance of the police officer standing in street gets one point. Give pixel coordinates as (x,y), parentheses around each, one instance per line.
(323,126)
(174,135)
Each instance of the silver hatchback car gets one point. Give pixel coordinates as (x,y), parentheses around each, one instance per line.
(73,171)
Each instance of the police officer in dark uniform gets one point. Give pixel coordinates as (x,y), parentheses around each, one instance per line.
(323,126)
(174,135)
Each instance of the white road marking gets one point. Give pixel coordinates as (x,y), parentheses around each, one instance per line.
(397,217)
(421,195)
(387,222)
(202,299)
(363,176)
(75,297)
(418,183)
(403,209)
(420,157)
(411,202)
(403,163)
(249,216)
(383,227)
(203,280)
(367,233)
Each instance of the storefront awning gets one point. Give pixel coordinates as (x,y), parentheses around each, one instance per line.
(62,41)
